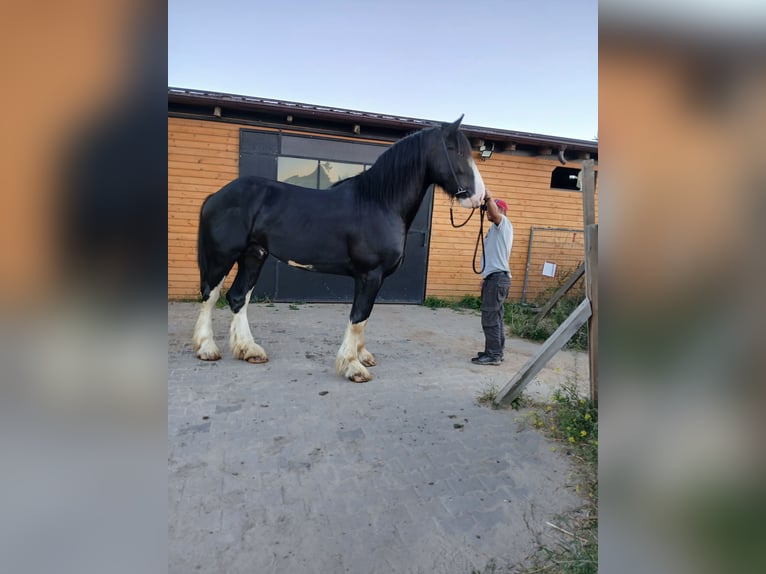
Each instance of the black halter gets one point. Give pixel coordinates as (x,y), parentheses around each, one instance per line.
(462,192)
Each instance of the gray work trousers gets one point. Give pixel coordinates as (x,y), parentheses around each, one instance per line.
(494,291)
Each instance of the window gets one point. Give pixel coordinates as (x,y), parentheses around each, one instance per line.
(308,161)
(298,171)
(315,174)
(565,178)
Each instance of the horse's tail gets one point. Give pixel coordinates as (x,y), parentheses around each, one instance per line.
(202,255)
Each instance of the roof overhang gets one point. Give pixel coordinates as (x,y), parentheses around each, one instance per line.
(203,103)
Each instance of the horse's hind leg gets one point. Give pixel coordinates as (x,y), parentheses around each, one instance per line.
(204,342)
(241,341)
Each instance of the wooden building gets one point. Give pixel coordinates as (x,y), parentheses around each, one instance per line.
(214,138)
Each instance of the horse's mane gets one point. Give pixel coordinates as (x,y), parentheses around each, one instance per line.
(393,171)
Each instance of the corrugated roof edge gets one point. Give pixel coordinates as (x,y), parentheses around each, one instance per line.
(245,103)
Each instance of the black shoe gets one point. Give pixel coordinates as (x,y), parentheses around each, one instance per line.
(483,354)
(487,360)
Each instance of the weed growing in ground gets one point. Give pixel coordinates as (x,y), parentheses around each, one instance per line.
(487,395)
(572,421)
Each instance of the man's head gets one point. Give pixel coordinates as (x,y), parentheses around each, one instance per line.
(502,205)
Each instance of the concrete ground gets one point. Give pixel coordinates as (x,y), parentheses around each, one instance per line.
(288,468)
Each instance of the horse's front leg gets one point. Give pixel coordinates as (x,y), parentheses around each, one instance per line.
(365,357)
(353,358)
(347,363)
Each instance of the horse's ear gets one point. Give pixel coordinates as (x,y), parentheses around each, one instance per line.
(451,129)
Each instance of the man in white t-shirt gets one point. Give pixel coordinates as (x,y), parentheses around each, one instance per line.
(497,281)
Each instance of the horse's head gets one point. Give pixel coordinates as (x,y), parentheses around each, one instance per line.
(455,170)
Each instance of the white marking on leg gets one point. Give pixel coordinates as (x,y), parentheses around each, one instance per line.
(203,339)
(241,341)
(364,356)
(347,360)
(292,263)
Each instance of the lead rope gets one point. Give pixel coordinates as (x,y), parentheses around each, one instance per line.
(460,191)
(452,219)
(479,238)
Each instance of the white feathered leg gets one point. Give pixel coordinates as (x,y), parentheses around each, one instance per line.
(347,363)
(203,339)
(241,341)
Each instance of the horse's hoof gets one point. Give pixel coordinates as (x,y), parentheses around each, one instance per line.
(209,356)
(366,358)
(252,353)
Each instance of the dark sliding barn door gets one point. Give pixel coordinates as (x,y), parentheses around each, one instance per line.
(260,154)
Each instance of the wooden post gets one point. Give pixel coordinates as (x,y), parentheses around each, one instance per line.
(588,194)
(551,346)
(591,293)
(591,269)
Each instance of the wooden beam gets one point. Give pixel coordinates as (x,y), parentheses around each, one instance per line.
(591,293)
(555,342)
(561,292)
(588,193)
(591,269)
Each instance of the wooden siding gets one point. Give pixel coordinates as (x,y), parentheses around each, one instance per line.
(204,155)
(524,184)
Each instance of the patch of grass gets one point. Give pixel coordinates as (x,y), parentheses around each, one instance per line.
(436,303)
(572,422)
(522,318)
(575,553)
(487,395)
(469,302)
(523,322)
(466,302)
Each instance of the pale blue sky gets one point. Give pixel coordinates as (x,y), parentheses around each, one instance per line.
(525,65)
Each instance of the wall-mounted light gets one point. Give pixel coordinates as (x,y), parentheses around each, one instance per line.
(357,129)
(486,152)
(217,111)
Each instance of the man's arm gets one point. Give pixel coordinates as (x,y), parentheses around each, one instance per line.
(493,211)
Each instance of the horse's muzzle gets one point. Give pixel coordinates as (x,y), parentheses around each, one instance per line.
(469,199)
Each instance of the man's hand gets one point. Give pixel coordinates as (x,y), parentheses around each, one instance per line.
(493,211)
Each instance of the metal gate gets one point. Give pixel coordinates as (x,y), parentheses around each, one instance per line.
(553,254)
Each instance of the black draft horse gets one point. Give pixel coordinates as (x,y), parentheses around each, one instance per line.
(357,228)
